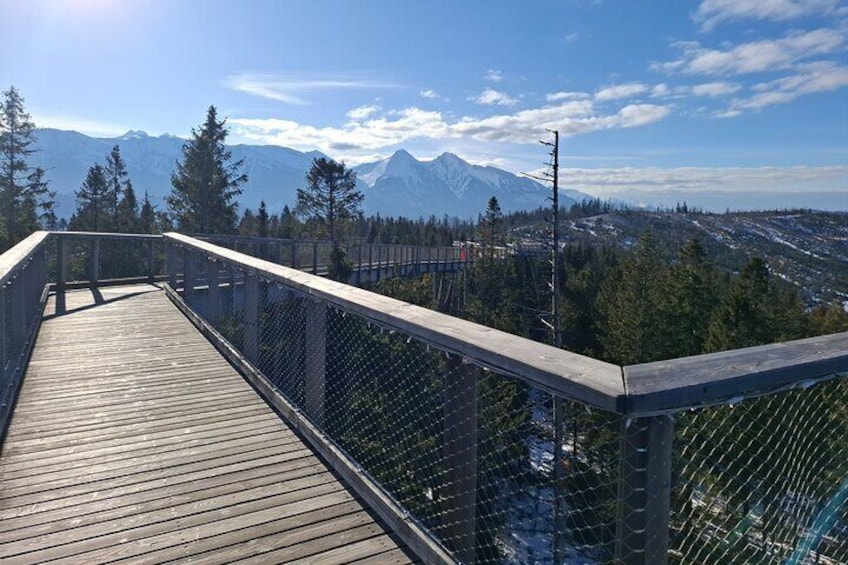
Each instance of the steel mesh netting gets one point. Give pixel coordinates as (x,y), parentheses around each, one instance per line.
(20,309)
(764,480)
(432,428)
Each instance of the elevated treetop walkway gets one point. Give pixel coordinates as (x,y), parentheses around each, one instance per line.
(446,440)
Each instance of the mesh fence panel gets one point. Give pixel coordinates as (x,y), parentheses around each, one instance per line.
(764,480)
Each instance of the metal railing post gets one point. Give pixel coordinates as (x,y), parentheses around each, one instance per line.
(644,490)
(315,359)
(294,254)
(314,257)
(460,459)
(251,317)
(4,334)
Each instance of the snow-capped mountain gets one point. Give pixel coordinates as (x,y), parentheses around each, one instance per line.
(403,185)
(399,185)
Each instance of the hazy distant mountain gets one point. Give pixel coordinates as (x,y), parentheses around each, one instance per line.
(275,172)
(402,185)
(399,185)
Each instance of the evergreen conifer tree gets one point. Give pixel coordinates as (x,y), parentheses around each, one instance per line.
(330,200)
(127,220)
(22,189)
(147,216)
(92,202)
(207,181)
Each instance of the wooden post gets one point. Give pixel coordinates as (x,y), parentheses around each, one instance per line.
(171,265)
(5,356)
(315,359)
(644,492)
(370,262)
(94,265)
(459,492)
(359,265)
(213,310)
(61,273)
(189,277)
(251,318)
(151,261)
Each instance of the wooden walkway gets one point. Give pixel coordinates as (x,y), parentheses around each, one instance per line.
(134,441)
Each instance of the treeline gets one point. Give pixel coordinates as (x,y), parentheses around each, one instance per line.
(633,306)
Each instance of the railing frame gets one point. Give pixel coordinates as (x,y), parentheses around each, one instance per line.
(641,394)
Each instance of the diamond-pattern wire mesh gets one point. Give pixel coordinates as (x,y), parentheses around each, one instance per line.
(468,452)
(764,480)
(761,481)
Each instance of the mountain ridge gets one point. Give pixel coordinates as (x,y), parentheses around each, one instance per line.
(399,185)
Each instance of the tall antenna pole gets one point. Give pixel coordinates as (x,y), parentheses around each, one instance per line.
(555,288)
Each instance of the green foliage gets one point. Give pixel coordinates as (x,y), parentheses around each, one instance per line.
(330,201)
(25,199)
(92,212)
(632,303)
(206,182)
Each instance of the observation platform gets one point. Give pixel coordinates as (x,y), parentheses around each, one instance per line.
(133,440)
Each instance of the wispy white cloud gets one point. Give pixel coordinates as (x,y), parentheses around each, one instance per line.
(363,112)
(491,96)
(430,94)
(561,96)
(494,75)
(716,89)
(613,182)
(713,12)
(620,91)
(571,37)
(811,78)
(290,89)
(755,56)
(369,136)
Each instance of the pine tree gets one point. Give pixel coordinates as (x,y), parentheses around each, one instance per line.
(247,225)
(691,300)
(630,301)
(330,200)
(117,180)
(127,213)
(288,224)
(147,216)
(262,220)
(92,202)
(491,224)
(206,182)
(22,188)
(745,316)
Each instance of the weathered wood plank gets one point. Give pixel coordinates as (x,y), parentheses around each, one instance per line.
(135,440)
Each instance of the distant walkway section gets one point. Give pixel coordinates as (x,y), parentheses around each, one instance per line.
(134,441)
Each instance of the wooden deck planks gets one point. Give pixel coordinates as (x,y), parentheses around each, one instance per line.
(134,440)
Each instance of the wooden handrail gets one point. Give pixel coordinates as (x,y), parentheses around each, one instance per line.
(560,372)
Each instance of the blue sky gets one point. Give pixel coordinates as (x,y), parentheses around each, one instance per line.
(716,94)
